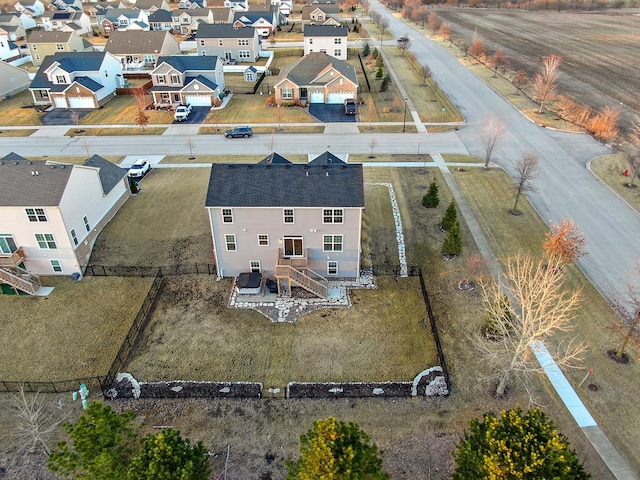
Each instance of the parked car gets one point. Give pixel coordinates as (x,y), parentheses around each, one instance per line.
(350,107)
(182,112)
(139,168)
(245,132)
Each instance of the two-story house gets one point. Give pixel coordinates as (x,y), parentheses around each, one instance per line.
(77,80)
(51,215)
(191,79)
(64,5)
(35,7)
(148,6)
(11,26)
(13,80)
(188,20)
(192,4)
(115,19)
(66,20)
(8,49)
(285,7)
(141,50)
(237,5)
(286,220)
(42,43)
(321,14)
(265,22)
(160,20)
(228,42)
(329,39)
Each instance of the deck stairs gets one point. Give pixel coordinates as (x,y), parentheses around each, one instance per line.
(12,274)
(307,279)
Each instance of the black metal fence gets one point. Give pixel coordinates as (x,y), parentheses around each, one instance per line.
(364,72)
(59,386)
(130,271)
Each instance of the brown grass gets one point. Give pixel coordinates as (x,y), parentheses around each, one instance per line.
(609,169)
(262,130)
(112,132)
(228,159)
(376,128)
(23,132)
(389,157)
(251,109)
(17,110)
(121,110)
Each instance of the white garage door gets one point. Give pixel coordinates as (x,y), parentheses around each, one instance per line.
(60,102)
(81,102)
(316,97)
(339,97)
(199,100)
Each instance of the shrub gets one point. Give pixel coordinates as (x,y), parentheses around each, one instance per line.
(453,242)
(379,73)
(271,101)
(431,198)
(450,216)
(366,50)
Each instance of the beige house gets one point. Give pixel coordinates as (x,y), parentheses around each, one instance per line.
(191,79)
(52,214)
(329,39)
(42,43)
(326,14)
(140,50)
(188,20)
(13,80)
(228,42)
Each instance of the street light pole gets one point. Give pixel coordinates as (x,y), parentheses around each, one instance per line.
(442,117)
(404,124)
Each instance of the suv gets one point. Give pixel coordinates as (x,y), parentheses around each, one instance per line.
(182,112)
(140,168)
(245,132)
(350,107)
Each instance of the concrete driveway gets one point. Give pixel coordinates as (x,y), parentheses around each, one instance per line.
(62,116)
(198,114)
(330,113)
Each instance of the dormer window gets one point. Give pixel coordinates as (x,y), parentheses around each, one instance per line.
(175,78)
(60,79)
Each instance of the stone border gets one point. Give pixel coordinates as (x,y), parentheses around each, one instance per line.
(128,387)
(348,389)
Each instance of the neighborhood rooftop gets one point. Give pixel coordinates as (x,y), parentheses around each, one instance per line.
(185,63)
(110,174)
(306,69)
(224,30)
(325,31)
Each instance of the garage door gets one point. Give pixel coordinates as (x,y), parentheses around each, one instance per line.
(81,102)
(199,100)
(339,97)
(316,97)
(60,102)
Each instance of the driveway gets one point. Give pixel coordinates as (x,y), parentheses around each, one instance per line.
(62,116)
(198,114)
(330,113)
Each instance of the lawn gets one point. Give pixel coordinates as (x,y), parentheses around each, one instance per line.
(245,109)
(121,110)
(610,170)
(284,129)
(228,159)
(112,132)
(23,132)
(19,111)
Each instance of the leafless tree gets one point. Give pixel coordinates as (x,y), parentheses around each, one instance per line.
(75,118)
(540,308)
(520,80)
(476,50)
(425,71)
(404,43)
(433,22)
(564,243)
(491,134)
(372,143)
(631,151)
(498,62)
(190,145)
(545,83)
(142,119)
(629,312)
(271,143)
(526,172)
(445,32)
(279,116)
(384,26)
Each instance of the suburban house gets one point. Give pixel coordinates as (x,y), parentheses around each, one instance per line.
(316,78)
(77,80)
(260,223)
(321,14)
(188,21)
(52,214)
(42,43)
(192,4)
(65,5)
(329,39)
(98,9)
(8,49)
(265,22)
(11,25)
(114,19)
(285,7)
(192,79)
(141,50)
(228,42)
(160,20)
(13,80)
(237,5)
(148,6)
(68,20)
(34,7)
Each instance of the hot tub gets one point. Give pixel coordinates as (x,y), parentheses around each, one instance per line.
(249,283)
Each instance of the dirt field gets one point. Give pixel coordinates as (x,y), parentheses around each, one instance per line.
(601,52)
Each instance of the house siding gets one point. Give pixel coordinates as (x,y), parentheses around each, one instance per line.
(211,47)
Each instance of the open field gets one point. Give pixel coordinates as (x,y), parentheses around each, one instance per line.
(600,51)
(610,170)
(112,132)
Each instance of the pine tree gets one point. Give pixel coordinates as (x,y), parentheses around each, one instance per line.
(379,62)
(385,84)
(450,216)
(375,53)
(431,198)
(379,73)
(366,50)
(453,242)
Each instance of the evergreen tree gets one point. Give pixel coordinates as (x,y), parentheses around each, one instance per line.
(453,241)
(515,444)
(450,216)
(336,450)
(375,53)
(385,84)
(366,50)
(387,77)
(379,62)
(379,73)
(431,198)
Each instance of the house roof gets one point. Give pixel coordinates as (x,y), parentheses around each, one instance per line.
(110,174)
(220,13)
(135,41)
(19,188)
(249,18)
(270,185)
(69,62)
(185,63)
(325,31)
(112,14)
(306,69)
(88,83)
(7,17)
(160,16)
(203,80)
(147,4)
(327,158)
(224,30)
(42,36)
(327,9)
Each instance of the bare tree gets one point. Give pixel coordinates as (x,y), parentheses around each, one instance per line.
(142,119)
(564,244)
(372,143)
(540,309)
(631,151)
(384,25)
(75,118)
(279,116)
(520,80)
(445,32)
(476,50)
(404,43)
(498,62)
(526,172)
(629,312)
(425,71)
(433,22)
(491,134)
(190,145)
(271,143)
(545,83)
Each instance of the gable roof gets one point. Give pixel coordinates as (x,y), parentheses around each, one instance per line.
(306,69)
(147,4)
(249,17)
(269,185)
(18,188)
(327,9)
(112,14)
(224,30)
(160,16)
(325,31)
(110,174)
(327,158)
(185,63)
(135,41)
(55,36)
(69,62)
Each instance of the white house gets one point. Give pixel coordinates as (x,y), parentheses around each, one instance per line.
(69,20)
(13,80)
(35,7)
(8,49)
(329,39)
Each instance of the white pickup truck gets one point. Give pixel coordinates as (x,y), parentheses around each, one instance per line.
(182,112)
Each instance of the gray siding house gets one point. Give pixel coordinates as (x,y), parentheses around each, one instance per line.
(285,220)
(228,42)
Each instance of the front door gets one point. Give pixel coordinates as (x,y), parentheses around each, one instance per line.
(293,247)
(303,93)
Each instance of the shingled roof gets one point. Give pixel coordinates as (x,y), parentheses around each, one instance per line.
(134,41)
(186,63)
(325,31)
(306,69)
(69,62)
(285,184)
(224,30)
(110,174)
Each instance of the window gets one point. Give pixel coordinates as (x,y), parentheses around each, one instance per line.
(287,93)
(263,240)
(332,215)
(86,223)
(175,78)
(227,215)
(37,56)
(288,215)
(74,236)
(202,43)
(60,79)
(244,54)
(34,47)
(231,243)
(311,41)
(337,52)
(254,266)
(36,214)
(332,243)
(160,79)
(55,264)
(165,97)
(151,59)
(59,46)
(243,42)
(7,244)
(332,268)
(46,241)
(337,41)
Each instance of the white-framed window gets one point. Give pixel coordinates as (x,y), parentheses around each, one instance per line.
(151,59)
(55,264)
(263,240)
(337,52)
(254,266)
(165,97)
(202,43)
(337,41)
(36,214)
(243,42)
(287,93)
(332,215)
(7,244)
(288,215)
(220,42)
(227,215)
(59,47)
(34,47)
(46,241)
(60,79)
(332,268)
(244,54)
(230,240)
(175,78)
(86,223)
(160,79)
(332,243)
(74,237)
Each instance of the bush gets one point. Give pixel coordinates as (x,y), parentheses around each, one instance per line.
(431,198)
(289,104)
(450,216)
(379,73)
(374,54)
(453,242)
(271,101)
(385,85)
(366,50)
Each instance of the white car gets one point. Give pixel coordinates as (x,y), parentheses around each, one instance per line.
(182,112)
(140,168)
